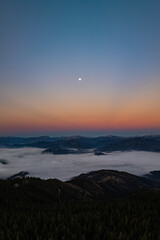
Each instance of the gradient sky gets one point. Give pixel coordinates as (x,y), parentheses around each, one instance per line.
(46,45)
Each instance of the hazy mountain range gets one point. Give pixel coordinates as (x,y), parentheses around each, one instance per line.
(79,144)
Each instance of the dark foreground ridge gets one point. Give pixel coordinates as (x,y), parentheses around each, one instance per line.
(101,205)
(102,184)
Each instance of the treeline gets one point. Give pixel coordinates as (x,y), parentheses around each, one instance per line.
(135,217)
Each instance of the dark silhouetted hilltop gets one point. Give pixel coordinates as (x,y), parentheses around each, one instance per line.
(93,185)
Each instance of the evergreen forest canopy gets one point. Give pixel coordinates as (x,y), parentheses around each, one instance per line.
(35,209)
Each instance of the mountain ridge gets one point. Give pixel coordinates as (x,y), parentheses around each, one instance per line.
(80,144)
(102,184)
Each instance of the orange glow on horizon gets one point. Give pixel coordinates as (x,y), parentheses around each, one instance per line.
(138,110)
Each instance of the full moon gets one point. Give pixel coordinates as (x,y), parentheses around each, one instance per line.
(79,79)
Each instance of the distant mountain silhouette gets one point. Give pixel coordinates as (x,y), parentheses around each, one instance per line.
(105,144)
(79,144)
(43,141)
(19,175)
(135,143)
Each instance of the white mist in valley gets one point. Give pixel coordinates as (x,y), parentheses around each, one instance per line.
(67,166)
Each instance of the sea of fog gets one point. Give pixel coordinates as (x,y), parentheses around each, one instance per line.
(66,166)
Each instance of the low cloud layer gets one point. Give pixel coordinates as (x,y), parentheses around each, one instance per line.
(64,167)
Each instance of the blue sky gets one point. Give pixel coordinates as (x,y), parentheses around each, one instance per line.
(47,45)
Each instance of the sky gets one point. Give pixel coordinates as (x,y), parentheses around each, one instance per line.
(47,45)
